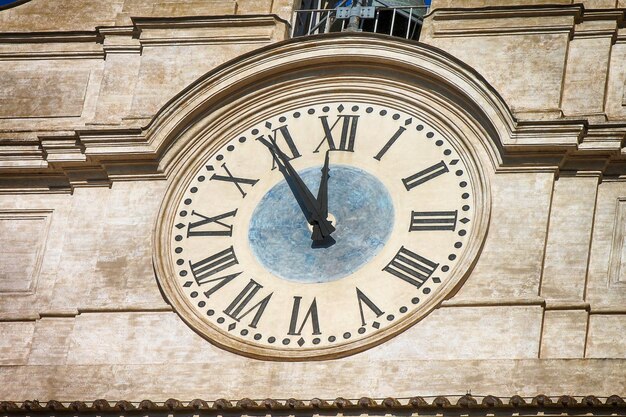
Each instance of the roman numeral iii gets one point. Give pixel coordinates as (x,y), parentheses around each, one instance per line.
(432,220)
(411,267)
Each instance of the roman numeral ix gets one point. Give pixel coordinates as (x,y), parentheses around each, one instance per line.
(224,229)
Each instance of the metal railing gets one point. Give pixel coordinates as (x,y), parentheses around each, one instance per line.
(404,21)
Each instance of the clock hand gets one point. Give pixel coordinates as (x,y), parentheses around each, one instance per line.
(303,195)
(305,199)
(322,196)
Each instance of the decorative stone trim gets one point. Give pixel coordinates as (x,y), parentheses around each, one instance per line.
(544,19)
(132,152)
(364,405)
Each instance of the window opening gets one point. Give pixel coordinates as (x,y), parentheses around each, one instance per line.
(402,18)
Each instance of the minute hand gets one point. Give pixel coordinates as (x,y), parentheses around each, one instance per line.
(322,195)
(307,202)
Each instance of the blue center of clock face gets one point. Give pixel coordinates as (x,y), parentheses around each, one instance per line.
(280,236)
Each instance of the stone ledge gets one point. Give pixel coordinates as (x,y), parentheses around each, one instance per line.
(160,381)
(364,405)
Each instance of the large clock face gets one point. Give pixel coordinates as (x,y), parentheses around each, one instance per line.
(321,230)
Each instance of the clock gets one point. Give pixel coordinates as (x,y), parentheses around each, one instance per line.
(321,229)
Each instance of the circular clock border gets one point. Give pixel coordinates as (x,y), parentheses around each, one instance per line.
(214,334)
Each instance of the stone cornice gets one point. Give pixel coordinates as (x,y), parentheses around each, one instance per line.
(99,155)
(207,30)
(144,31)
(478,405)
(506,20)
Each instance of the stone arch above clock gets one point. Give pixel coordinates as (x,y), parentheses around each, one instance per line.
(336,65)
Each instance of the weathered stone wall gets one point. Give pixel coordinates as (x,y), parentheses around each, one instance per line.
(558,62)
(81,314)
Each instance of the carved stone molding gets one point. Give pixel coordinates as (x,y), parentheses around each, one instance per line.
(453,405)
(150,152)
(23,236)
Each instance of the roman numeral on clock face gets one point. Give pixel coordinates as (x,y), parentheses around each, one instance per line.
(390,142)
(348,133)
(363,299)
(196,228)
(425,175)
(204,270)
(311,314)
(237,308)
(411,267)
(291,151)
(237,181)
(432,220)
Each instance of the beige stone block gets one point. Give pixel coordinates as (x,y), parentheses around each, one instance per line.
(451,333)
(569,236)
(139,338)
(42,93)
(600,4)
(117,87)
(606,336)
(23,236)
(74,274)
(138,7)
(255,7)
(66,15)
(527,69)
(123,272)
(167,70)
(282,8)
(615,106)
(162,337)
(51,341)
(490,3)
(106,249)
(564,333)
(585,75)
(606,279)
(511,260)
(57,207)
(327,379)
(194,8)
(15,342)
